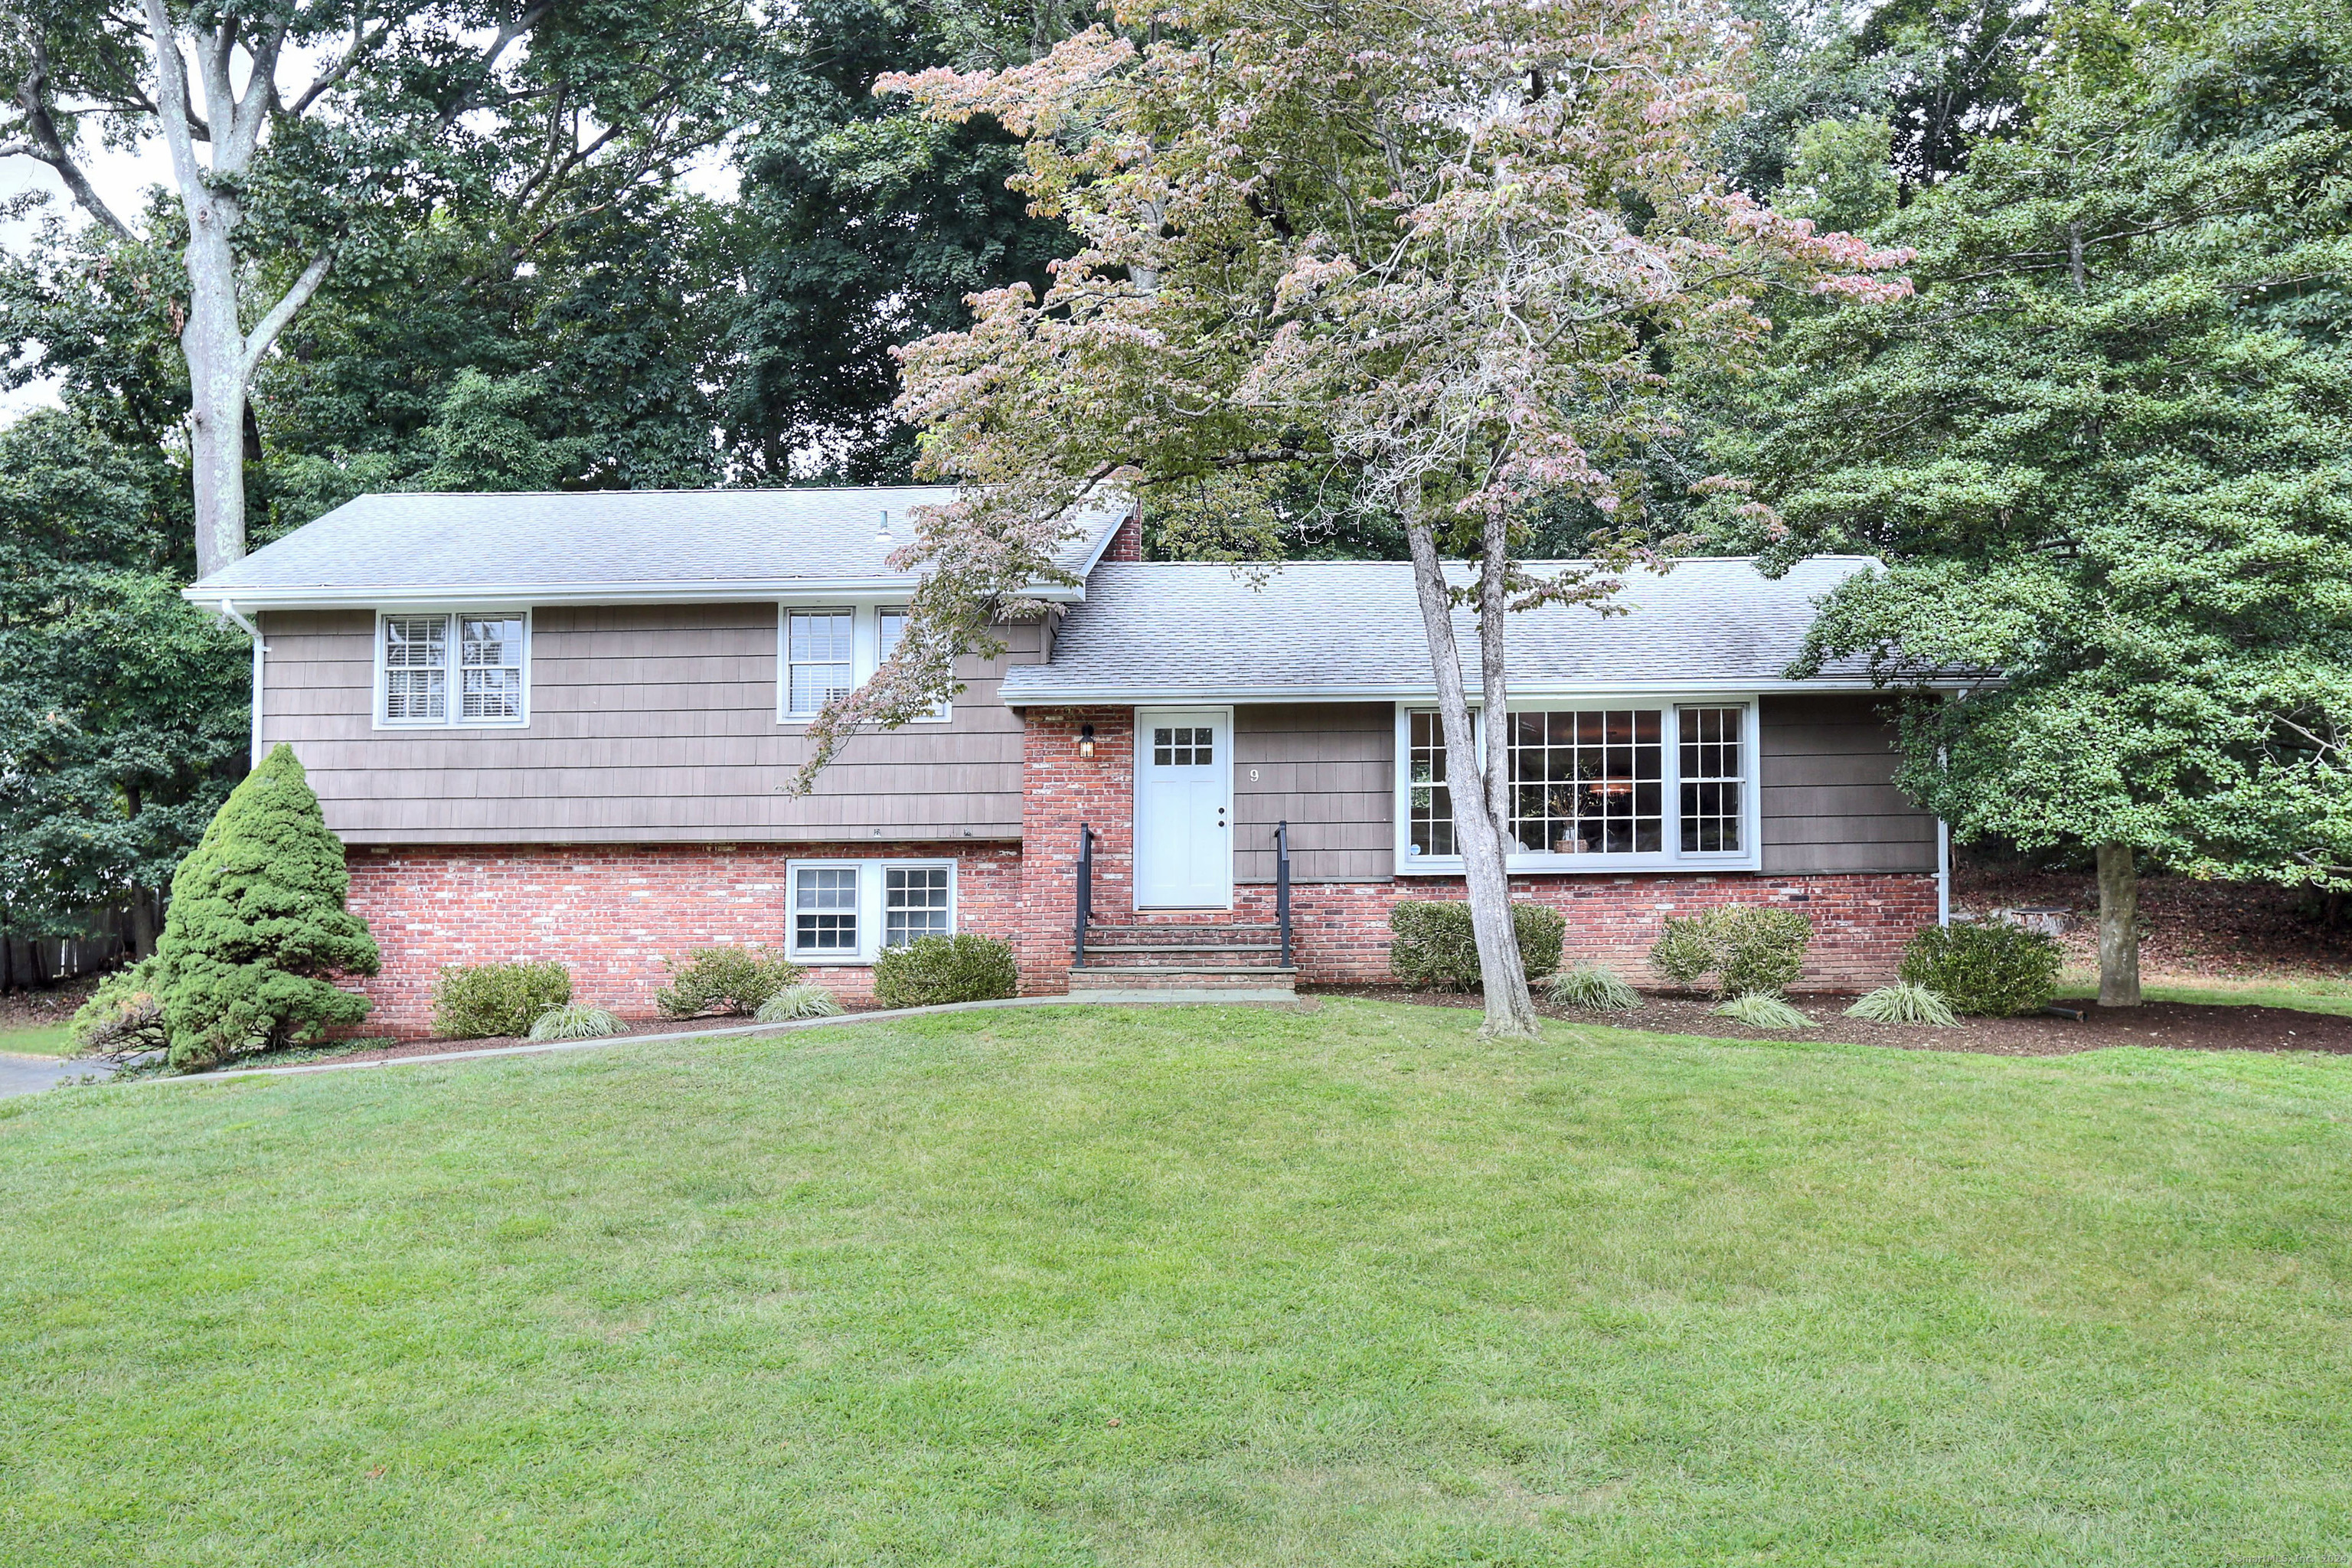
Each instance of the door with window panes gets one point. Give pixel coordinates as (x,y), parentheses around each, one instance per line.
(1183,804)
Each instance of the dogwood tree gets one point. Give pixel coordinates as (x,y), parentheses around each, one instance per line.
(1436,254)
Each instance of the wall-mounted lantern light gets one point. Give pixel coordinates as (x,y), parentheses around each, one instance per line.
(1087,742)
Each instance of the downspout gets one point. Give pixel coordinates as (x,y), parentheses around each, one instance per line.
(259,650)
(1943,872)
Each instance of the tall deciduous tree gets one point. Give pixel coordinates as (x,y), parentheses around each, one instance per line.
(2106,453)
(302,132)
(1434,255)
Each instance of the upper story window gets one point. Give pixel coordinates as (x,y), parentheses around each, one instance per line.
(1594,788)
(457,668)
(830,651)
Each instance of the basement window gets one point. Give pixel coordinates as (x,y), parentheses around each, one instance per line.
(847,912)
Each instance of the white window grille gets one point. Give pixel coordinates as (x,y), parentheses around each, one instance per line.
(818,657)
(470,667)
(848,912)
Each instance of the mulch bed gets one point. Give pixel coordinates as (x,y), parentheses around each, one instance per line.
(2175,1025)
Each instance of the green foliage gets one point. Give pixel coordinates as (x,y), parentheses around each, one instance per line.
(123,711)
(472,1002)
(724,980)
(2106,453)
(1993,969)
(576,1021)
(1431,942)
(1745,947)
(800,1001)
(256,927)
(123,1016)
(934,969)
(1595,987)
(1903,1004)
(1763,1010)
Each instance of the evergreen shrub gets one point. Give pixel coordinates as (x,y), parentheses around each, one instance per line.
(1993,969)
(724,980)
(123,1016)
(1747,949)
(472,1002)
(1433,943)
(933,970)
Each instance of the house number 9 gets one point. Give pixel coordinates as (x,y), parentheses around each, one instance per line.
(1253,775)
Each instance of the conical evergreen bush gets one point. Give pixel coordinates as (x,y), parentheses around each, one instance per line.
(256,927)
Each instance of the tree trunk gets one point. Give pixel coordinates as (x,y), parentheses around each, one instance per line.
(143,922)
(1510,1013)
(214,346)
(2118,927)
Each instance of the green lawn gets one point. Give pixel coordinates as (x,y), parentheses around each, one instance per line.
(1187,1287)
(36,1040)
(2308,995)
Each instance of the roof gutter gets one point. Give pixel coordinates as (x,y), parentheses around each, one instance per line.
(1121,696)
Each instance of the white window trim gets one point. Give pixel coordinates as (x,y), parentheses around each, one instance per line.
(1672,858)
(453,713)
(864,653)
(871,883)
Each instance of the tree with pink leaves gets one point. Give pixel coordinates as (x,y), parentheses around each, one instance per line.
(1436,254)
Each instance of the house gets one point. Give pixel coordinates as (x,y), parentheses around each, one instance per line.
(561,727)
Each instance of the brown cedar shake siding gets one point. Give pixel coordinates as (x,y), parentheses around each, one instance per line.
(1827,777)
(649,724)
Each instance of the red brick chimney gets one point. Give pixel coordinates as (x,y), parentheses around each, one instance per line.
(1126,544)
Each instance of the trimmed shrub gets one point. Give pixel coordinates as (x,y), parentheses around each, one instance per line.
(1746,948)
(933,970)
(1595,987)
(256,927)
(472,1002)
(1903,1004)
(123,1016)
(725,980)
(802,1001)
(1993,969)
(577,1021)
(1763,1010)
(1431,942)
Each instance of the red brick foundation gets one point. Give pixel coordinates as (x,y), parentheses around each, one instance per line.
(612,913)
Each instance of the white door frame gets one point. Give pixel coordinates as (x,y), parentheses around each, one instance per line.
(1144,718)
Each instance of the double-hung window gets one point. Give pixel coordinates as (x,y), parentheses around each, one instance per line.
(847,912)
(460,667)
(829,652)
(1594,788)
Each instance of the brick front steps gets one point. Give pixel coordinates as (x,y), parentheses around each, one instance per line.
(1224,961)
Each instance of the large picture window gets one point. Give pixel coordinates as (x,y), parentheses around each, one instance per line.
(847,912)
(1593,787)
(453,668)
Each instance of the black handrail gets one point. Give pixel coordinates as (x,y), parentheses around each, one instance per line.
(1282,886)
(1085,894)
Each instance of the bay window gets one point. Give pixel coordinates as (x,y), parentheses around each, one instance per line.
(1603,787)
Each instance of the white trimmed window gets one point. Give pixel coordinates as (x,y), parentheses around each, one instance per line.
(1593,787)
(828,651)
(453,667)
(847,912)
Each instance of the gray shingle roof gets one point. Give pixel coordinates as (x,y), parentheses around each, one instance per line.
(1325,630)
(583,546)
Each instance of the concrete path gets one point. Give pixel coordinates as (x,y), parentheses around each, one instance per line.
(30,1075)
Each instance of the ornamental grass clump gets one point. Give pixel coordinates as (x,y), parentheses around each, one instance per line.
(1595,987)
(257,933)
(736,981)
(479,1000)
(800,1001)
(577,1021)
(1903,1004)
(1991,969)
(1736,949)
(932,971)
(1763,1010)
(1431,943)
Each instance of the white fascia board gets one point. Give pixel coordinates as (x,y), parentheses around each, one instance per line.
(741,590)
(1076,696)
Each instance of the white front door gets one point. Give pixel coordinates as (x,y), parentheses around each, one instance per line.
(1183,809)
